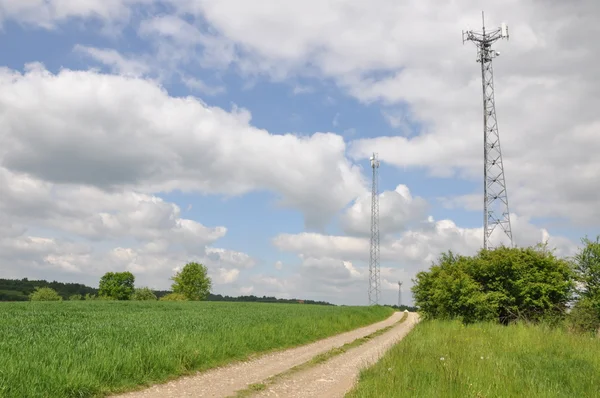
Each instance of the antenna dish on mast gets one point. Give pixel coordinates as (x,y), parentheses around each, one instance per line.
(504,30)
(374,161)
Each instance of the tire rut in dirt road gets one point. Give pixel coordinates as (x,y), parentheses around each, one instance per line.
(337,376)
(225,381)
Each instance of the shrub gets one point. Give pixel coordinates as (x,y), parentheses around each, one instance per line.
(89,297)
(143,294)
(505,285)
(173,297)
(75,297)
(44,294)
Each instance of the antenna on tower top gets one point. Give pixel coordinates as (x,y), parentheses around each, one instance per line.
(495,196)
(374,279)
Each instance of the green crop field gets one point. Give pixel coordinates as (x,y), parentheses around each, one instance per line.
(447,359)
(85,349)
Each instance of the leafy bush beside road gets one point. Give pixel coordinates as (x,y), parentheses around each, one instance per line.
(504,285)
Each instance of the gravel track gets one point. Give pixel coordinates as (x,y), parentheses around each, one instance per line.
(337,376)
(225,381)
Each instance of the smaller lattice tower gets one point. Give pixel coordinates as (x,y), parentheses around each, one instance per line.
(374,278)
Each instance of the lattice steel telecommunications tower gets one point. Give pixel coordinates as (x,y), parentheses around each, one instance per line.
(374,280)
(495,197)
(399,293)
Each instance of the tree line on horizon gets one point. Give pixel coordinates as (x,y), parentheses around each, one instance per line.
(191,283)
(508,285)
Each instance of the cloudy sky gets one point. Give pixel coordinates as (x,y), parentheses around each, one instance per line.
(139,135)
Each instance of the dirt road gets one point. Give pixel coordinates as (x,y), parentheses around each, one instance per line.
(225,381)
(337,376)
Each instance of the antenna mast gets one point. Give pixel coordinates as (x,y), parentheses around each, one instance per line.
(399,293)
(495,196)
(374,279)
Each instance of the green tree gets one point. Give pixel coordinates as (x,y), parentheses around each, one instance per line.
(44,294)
(75,297)
(585,315)
(192,281)
(143,294)
(505,284)
(117,285)
(587,268)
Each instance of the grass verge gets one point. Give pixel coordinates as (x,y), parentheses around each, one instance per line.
(447,359)
(91,349)
(318,359)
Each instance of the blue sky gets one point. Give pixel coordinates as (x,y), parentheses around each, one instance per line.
(317,84)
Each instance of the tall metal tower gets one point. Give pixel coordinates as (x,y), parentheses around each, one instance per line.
(374,279)
(495,197)
(399,293)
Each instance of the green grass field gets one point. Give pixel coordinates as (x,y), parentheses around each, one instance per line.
(86,349)
(447,359)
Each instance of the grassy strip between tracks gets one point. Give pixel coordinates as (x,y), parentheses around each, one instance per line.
(447,359)
(92,349)
(316,360)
